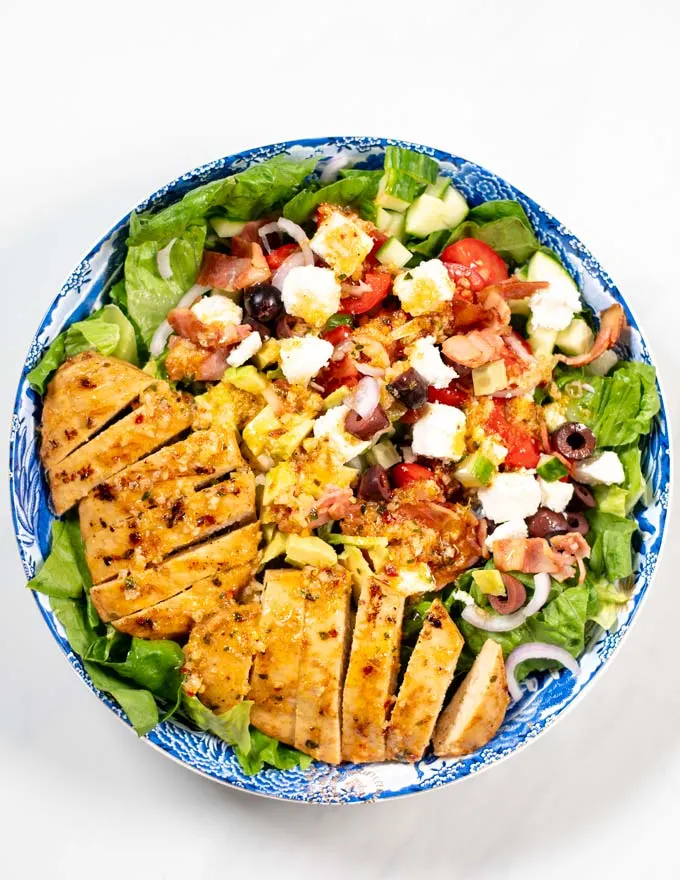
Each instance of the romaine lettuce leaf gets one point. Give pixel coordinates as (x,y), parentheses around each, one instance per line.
(610,538)
(343,192)
(635,484)
(244,196)
(138,704)
(265,750)
(64,574)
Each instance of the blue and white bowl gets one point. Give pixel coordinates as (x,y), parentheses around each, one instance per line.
(546,698)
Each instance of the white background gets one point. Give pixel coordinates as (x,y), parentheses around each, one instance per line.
(576,104)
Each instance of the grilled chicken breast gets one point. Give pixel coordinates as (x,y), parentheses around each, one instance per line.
(478,707)
(276,670)
(421,696)
(219,656)
(133,591)
(87,391)
(372,672)
(148,538)
(325,639)
(161,415)
(174,618)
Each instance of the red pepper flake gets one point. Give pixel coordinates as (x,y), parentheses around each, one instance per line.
(139,418)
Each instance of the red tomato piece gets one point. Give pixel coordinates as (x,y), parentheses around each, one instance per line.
(337,374)
(379,282)
(479,256)
(522,446)
(464,277)
(454,395)
(276,257)
(379,239)
(337,334)
(409,472)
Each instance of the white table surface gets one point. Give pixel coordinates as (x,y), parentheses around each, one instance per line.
(576,104)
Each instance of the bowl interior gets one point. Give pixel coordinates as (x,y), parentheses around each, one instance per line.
(547,696)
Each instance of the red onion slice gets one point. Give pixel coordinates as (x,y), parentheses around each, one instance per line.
(521,352)
(291,262)
(536,651)
(164,330)
(505,622)
(331,168)
(264,231)
(298,234)
(366,397)
(163,260)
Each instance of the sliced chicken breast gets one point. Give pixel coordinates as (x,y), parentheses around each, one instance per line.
(372,672)
(148,538)
(219,656)
(478,707)
(132,591)
(325,640)
(427,678)
(161,416)
(276,671)
(86,392)
(174,618)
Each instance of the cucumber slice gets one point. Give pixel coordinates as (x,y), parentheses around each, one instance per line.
(577,339)
(489,378)
(384,453)
(400,198)
(438,188)
(520,306)
(456,208)
(543,267)
(391,223)
(541,339)
(393,253)
(426,215)
(227,228)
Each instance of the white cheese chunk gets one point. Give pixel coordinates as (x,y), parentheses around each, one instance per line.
(311,293)
(343,243)
(424,289)
(440,432)
(303,356)
(554,416)
(217,310)
(413,580)
(511,496)
(513,528)
(331,425)
(245,350)
(426,359)
(553,309)
(601,469)
(555,495)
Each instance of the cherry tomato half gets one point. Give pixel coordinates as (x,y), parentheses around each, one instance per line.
(276,257)
(379,282)
(409,472)
(337,374)
(454,395)
(479,256)
(464,277)
(337,334)
(522,446)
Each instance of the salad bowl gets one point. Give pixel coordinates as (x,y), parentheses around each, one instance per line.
(546,697)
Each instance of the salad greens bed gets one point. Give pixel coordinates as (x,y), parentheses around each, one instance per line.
(145,677)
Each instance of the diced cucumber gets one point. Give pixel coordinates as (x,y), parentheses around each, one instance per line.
(391,223)
(603,364)
(426,215)
(489,581)
(489,378)
(302,551)
(456,208)
(552,470)
(520,306)
(522,272)
(397,200)
(544,267)
(438,188)
(227,228)
(475,470)
(394,254)
(577,339)
(384,453)
(541,339)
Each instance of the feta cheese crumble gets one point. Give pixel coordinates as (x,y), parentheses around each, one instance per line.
(413,580)
(425,288)
(217,310)
(343,243)
(555,495)
(303,356)
(245,350)
(511,496)
(601,469)
(311,293)
(513,528)
(426,359)
(331,425)
(553,309)
(440,432)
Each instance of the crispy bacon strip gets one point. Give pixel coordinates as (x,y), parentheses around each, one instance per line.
(514,288)
(559,558)
(187,324)
(186,360)
(612,322)
(234,272)
(335,503)
(476,348)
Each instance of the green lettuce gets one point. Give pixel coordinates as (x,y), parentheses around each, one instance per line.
(610,538)
(265,750)
(244,196)
(635,484)
(64,574)
(107,331)
(343,192)
(149,296)
(138,704)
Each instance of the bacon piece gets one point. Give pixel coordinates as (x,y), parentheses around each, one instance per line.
(572,543)
(250,232)
(189,361)
(211,335)
(430,514)
(612,322)
(492,301)
(476,348)
(335,503)
(234,272)
(558,558)
(515,288)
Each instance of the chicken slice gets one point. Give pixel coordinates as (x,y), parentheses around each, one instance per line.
(276,670)
(161,416)
(372,672)
(219,656)
(132,591)
(174,618)
(322,663)
(478,707)
(87,391)
(148,538)
(161,478)
(421,695)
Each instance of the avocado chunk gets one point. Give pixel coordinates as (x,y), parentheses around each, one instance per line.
(489,582)
(275,547)
(309,551)
(489,378)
